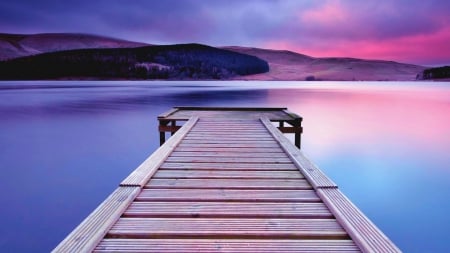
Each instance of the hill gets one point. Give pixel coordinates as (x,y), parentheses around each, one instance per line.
(183,61)
(19,45)
(287,65)
(282,64)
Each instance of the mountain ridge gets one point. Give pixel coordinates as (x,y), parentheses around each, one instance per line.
(283,64)
(291,66)
(20,45)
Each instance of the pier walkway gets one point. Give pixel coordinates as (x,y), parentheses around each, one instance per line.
(228,180)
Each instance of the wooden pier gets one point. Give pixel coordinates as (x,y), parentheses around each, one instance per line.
(228,180)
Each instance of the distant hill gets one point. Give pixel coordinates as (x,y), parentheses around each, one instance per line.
(19,45)
(105,52)
(184,61)
(287,65)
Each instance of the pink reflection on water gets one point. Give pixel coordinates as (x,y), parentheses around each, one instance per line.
(366,116)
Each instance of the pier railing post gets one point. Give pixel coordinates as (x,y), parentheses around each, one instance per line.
(298,131)
(173,124)
(162,132)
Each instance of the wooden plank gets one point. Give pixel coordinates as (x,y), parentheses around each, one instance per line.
(228,108)
(226,118)
(227,138)
(179,116)
(229,131)
(232,145)
(168,128)
(144,172)
(233,127)
(287,130)
(222,124)
(233,183)
(228,135)
(243,142)
(232,114)
(227,228)
(228,210)
(229,166)
(292,114)
(243,125)
(88,234)
(223,245)
(229,121)
(314,175)
(203,174)
(226,149)
(195,159)
(228,154)
(227,195)
(167,113)
(363,232)
(259,129)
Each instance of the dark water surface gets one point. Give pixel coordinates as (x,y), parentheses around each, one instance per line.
(65,146)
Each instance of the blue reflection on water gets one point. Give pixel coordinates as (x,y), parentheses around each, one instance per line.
(64,148)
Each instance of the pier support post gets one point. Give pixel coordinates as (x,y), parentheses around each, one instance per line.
(297,124)
(294,128)
(162,132)
(174,126)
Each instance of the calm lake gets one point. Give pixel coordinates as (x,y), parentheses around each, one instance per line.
(66,145)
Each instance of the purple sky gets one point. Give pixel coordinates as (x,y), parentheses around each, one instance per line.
(413,31)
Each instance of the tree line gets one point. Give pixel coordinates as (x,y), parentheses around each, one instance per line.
(184,61)
(436,73)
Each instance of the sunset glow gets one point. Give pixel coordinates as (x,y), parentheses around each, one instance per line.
(407,31)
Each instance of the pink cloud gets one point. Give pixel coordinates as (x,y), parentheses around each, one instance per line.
(369,30)
(419,49)
(328,14)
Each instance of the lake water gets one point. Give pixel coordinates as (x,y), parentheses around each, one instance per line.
(65,146)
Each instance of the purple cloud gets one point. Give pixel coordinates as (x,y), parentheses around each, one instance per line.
(308,26)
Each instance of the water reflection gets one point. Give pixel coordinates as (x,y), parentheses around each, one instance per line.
(109,99)
(387,150)
(66,147)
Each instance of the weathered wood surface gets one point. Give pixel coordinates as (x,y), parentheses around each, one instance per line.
(228,150)
(203,174)
(221,209)
(236,228)
(225,245)
(228,195)
(232,145)
(215,116)
(226,121)
(226,185)
(230,154)
(229,183)
(229,166)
